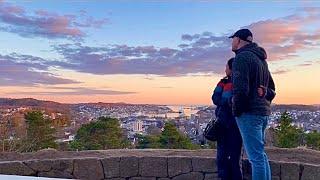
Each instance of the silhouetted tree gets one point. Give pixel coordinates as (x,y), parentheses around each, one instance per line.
(105,133)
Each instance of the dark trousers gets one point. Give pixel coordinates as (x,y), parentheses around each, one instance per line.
(229,146)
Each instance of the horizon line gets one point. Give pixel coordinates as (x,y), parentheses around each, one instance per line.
(145,103)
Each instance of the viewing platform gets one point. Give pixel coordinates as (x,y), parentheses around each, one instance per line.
(151,164)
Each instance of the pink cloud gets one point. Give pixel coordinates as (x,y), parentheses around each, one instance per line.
(273,31)
(284,37)
(45,24)
(59,25)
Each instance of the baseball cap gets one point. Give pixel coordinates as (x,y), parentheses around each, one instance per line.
(243,34)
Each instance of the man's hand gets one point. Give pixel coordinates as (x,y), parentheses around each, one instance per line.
(262,91)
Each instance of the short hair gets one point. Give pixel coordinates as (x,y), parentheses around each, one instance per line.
(230,61)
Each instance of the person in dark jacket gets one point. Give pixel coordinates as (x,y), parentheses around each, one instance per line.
(252,111)
(229,142)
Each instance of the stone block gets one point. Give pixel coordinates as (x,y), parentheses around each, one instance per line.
(89,168)
(153,167)
(179,165)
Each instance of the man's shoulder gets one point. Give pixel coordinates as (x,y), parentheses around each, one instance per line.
(249,57)
(242,58)
(245,54)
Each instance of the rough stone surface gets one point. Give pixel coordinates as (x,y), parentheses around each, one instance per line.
(111,167)
(55,174)
(89,168)
(15,168)
(311,172)
(202,164)
(211,176)
(60,168)
(189,176)
(275,178)
(301,155)
(129,166)
(143,178)
(39,165)
(290,171)
(153,167)
(63,164)
(179,165)
(275,168)
(144,165)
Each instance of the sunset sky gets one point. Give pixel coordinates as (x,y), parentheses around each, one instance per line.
(158,52)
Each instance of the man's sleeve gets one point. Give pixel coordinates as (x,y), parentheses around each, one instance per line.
(240,85)
(271,91)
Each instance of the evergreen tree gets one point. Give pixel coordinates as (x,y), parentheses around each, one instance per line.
(313,140)
(40,133)
(105,133)
(148,141)
(287,135)
(171,138)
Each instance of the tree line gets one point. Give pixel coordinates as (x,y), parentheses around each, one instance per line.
(106,133)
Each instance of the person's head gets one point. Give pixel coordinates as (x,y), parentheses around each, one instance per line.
(241,38)
(229,67)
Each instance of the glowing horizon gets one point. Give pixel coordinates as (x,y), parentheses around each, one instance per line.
(168,53)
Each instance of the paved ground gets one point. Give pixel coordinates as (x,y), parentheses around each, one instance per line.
(7,177)
(290,155)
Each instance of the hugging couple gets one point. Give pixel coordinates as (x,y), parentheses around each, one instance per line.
(243,100)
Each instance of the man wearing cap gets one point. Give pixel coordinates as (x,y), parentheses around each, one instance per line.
(250,71)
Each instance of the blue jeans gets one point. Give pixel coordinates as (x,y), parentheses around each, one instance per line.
(252,129)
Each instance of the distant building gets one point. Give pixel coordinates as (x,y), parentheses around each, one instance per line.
(53,116)
(137,126)
(181,112)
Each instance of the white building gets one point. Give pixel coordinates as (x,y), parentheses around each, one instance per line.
(137,126)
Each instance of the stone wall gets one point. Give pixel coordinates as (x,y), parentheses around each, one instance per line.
(157,167)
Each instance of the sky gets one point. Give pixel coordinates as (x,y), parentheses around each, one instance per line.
(155,52)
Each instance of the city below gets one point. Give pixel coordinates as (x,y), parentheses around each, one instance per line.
(133,118)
